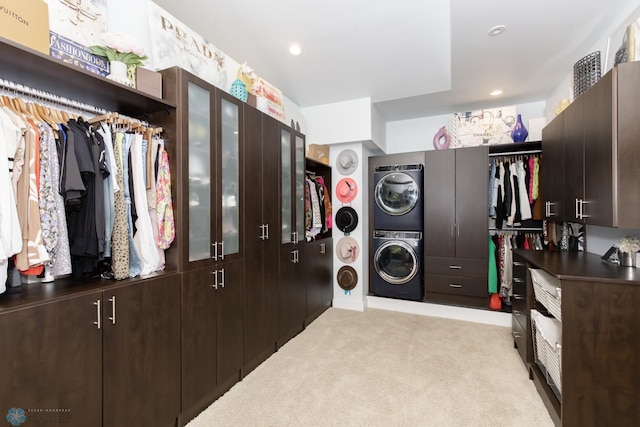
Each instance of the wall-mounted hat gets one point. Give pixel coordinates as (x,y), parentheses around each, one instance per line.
(347,249)
(347,162)
(347,278)
(346,219)
(346,190)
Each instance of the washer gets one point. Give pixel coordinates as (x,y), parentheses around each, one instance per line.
(397,260)
(398,197)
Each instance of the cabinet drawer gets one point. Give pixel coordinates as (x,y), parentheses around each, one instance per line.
(519,338)
(520,314)
(519,288)
(448,266)
(469,286)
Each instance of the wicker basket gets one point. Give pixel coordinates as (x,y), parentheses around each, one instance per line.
(585,73)
(548,292)
(547,348)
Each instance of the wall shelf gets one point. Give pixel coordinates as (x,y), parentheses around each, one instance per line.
(34,69)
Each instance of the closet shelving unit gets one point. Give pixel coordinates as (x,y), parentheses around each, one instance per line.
(66,348)
(31,68)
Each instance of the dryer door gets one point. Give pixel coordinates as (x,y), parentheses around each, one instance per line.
(396,262)
(396,193)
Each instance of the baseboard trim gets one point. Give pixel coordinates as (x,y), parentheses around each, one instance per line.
(440,310)
(348,304)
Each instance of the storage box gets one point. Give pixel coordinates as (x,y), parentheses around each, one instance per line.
(319,153)
(547,290)
(547,347)
(26,22)
(149,82)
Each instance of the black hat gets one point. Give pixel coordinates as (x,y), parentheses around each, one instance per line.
(347,278)
(346,219)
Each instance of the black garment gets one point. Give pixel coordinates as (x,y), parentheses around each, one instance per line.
(508,190)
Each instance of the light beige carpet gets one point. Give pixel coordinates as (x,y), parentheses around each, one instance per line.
(383,368)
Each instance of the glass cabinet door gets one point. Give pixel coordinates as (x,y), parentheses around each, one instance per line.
(300,184)
(199,152)
(230,182)
(286,177)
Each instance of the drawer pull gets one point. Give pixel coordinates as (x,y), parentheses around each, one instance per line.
(518,263)
(455,285)
(518,280)
(455,267)
(518,297)
(518,312)
(516,335)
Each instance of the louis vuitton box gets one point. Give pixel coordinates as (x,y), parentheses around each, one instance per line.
(26,22)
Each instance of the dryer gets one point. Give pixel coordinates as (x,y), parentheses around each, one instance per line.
(397,260)
(397,192)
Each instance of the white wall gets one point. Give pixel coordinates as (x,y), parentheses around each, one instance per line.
(340,122)
(417,134)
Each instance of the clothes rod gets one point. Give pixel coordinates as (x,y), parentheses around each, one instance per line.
(37,94)
(515,230)
(515,153)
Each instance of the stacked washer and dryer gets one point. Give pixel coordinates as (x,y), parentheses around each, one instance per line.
(397,231)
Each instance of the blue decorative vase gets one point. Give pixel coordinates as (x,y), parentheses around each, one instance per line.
(519,132)
(239,90)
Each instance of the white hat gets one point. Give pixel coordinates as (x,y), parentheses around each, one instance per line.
(347,162)
(347,249)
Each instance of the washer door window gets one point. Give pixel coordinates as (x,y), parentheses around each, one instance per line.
(396,262)
(397,193)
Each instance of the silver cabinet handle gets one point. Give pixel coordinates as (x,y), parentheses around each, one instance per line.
(518,297)
(266,226)
(518,280)
(518,263)
(262,233)
(112,300)
(215,250)
(455,267)
(453,230)
(222,250)
(516,335)
(98,313)
(222,278)
(323,248)
(582,214)
(293,257)
(548,209)
(518,312)
(454,285)
(457,230)
(578,208)
(215,280)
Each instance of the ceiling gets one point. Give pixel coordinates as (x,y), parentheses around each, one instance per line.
(412,58)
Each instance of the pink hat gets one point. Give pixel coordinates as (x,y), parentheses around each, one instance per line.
(346,190)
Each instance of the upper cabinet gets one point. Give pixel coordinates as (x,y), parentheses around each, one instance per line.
(207,126)
(597,179)
(292,163)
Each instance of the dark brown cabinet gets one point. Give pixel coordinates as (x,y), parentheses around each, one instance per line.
(141,364)
(52,358)
(598,142)
(522,300)
(317,264)
(212,306)
(552,185)
(599,374)
(455,226)
(209,144)
(292,290)
(106,358)
(262,213)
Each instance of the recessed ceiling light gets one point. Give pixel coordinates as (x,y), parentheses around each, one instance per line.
(497,30)
(496,92)
(295,49)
